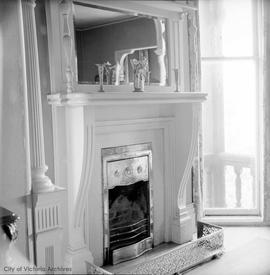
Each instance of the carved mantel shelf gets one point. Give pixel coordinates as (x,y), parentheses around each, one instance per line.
(121,98)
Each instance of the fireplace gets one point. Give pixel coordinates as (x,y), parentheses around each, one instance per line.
(128,206)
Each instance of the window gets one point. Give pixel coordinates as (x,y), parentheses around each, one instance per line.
(230,75)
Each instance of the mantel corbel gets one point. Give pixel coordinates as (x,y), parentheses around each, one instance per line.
(185,215)
(181,198)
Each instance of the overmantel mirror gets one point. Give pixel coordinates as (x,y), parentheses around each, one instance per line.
(85,34)
(116,38)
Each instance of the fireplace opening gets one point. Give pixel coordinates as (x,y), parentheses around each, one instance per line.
(128,208)
(129,219)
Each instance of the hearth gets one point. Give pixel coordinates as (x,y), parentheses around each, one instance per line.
(128,206)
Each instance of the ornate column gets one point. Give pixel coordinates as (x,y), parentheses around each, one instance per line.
(194,51)
(67,43)
(47,202)
(161,49)
(40,182)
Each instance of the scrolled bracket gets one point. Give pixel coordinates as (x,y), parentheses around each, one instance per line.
(181,198)
(87,171)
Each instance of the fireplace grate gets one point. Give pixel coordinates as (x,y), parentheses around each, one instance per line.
(128,236)
(129,214)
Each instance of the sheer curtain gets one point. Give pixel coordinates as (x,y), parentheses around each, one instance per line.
(265,86)
(266,106)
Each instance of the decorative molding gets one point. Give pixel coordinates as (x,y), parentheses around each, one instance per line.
(161,49)
(121,98)
(66,10)
(40,182)
(79,223)
(162,9)
(184,226)
(196,112)
(49,256)
(48,231)
(179,51)
(198,174)
(165,124)
(63,67)
(194,51)
(47,217)
(87,170)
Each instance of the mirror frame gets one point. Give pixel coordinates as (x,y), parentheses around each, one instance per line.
(182,40)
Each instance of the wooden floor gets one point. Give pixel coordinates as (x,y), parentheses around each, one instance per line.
(247,250)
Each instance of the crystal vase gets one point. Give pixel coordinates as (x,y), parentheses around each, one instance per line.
(100,75)
(139,81)
(176,76)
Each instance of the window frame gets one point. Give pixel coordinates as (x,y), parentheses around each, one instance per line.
(236,215)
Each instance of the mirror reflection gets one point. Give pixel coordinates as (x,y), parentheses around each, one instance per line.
(115,40)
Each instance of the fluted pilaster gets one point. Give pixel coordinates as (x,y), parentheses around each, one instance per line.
(40,182)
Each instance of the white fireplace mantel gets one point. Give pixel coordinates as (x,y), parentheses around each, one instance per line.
(124,98)
(84,123)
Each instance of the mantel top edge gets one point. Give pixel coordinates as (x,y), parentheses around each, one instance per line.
(126,98)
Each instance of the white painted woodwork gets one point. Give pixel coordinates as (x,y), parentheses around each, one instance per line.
(184,225)
(85,121)
(194,55)
(181,42)
(46,203)
(66,11)
(49,219)
(96,121)
(40,182)
(214,134)
(122,98)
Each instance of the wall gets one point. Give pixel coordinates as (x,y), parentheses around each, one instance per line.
(99,45)
(14,151)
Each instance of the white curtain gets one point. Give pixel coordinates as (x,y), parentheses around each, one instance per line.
(266,106)
(197,170)
(198,166)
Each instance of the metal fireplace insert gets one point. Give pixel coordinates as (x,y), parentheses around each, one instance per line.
(128,204)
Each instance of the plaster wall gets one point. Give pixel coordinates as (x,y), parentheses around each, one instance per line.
(14,151)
